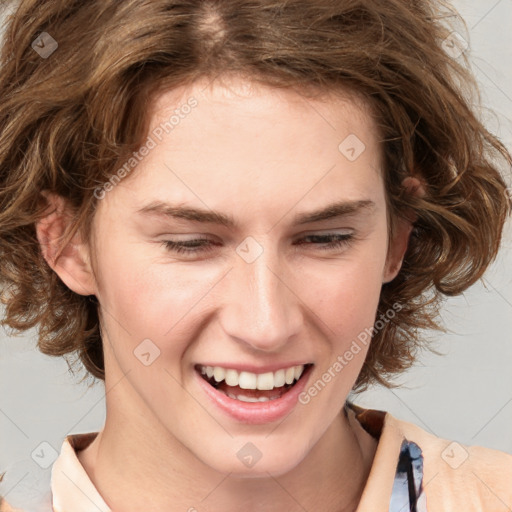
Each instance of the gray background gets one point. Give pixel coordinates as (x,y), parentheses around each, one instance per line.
(466,395)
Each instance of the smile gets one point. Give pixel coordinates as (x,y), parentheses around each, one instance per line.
(226,378)
(228,387)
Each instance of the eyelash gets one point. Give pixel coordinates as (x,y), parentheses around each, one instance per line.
(339,240)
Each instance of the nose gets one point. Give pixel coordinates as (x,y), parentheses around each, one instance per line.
(262,309)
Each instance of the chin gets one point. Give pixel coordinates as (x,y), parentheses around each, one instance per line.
(251,462)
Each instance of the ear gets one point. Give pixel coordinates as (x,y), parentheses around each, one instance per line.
(73,264)
(402,232)
(397,249)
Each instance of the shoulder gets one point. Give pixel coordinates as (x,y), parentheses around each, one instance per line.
(5,507)
(25,486)
(459,476)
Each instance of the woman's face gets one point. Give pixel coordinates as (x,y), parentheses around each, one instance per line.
(278,279)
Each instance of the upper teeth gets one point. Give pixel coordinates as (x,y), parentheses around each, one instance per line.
(249,380)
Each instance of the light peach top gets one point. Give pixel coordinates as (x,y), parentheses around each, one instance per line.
(453,477)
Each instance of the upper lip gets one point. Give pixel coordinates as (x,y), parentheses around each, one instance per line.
(254,368)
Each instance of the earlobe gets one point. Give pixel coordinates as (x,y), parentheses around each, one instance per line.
(72,265)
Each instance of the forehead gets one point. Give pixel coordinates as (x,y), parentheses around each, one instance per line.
(256,100)
(234,116)
(256,148)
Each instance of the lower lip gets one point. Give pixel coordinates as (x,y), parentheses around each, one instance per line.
(256,412)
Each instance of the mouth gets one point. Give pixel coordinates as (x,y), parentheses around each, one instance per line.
(250,387)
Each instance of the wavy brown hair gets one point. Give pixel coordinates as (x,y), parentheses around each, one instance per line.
(68,121)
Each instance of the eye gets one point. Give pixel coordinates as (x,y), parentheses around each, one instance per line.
(195,246)
(329,241)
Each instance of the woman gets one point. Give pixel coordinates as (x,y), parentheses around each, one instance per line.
(235,213)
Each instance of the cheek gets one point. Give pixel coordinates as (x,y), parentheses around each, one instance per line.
(347,307)
(345,295)
(152,300)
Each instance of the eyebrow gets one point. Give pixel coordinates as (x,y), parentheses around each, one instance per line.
(333,210)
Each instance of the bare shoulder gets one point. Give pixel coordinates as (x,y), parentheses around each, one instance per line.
(5,507)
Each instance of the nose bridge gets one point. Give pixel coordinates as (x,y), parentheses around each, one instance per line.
(263,311)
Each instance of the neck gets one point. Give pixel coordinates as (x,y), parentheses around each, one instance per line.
(135,462)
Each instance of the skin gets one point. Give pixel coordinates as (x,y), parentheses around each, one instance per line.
(261,155)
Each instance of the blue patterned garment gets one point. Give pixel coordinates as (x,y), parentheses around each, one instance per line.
(407,494)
